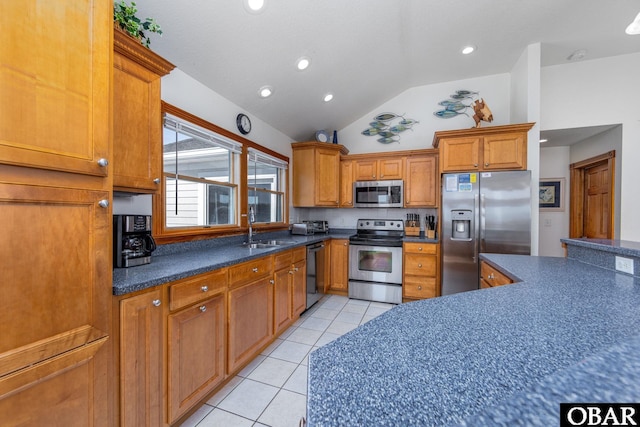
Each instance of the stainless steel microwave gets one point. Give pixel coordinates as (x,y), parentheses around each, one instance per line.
(378,194)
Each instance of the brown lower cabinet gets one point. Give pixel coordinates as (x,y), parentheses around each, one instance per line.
(420,271)
(339,255)
(490,277)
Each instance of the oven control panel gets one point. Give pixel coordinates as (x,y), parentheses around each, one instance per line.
(381,224)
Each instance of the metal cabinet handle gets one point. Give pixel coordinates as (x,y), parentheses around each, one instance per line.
(272,281)
(156,302)
(290,271)
(203,308)
(296,269)
(156,181)
(491,276)
(104,203)
(254,269)
(205,288)
(103,162)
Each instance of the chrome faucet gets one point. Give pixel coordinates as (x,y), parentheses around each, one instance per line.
(252,219)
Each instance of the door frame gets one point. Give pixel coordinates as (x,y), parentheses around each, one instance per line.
(576,204)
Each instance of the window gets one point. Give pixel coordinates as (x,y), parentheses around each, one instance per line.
(201,173)
(266,184)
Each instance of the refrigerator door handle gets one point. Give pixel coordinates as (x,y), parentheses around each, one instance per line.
(482,222)
(476,208)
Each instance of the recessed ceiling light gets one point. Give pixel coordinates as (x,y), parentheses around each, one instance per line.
(328,97)
(265,91)
(254,6)
(634,27)
(303,63)
(468,49)
(577,55)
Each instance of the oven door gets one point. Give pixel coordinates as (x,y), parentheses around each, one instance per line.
(375,263)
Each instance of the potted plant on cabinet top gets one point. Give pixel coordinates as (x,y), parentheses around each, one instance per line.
(124,18)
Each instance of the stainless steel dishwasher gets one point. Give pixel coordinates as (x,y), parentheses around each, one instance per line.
(315,273)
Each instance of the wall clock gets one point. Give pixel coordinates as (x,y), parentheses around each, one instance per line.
(243,123)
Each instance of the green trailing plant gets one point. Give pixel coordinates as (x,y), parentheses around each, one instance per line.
(125,16)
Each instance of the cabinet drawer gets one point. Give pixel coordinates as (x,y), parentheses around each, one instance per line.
(492,276)
(299,253)
(421,248)
(418,287)
(420,264)
(249,271)
(282,260)
(197,288)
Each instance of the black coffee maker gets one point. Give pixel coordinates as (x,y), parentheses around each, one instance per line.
(132,241)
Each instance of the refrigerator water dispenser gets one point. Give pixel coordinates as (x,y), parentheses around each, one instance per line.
(461,227)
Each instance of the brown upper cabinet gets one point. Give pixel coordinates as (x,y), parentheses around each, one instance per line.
(378,169)
(421,184)
(346,183)
(483,149)
(316,174)
(137,122)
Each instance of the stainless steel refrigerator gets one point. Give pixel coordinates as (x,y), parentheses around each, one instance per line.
(482,212)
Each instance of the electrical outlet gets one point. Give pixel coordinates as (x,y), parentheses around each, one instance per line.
(624,264)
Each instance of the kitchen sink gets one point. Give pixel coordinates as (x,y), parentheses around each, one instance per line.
(263,244)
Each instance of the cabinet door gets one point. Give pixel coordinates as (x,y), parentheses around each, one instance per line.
(390,168)
(459,154)
(346,183)
(250,314)
(137,127)
(339,265)
(299,288)
(282,298)
(141,360)
(327,177)
(505,151)
(55,110)
(421,182)
(196,354)
(365,170)
(55,306)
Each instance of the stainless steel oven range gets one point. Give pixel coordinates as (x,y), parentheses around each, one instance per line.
(375,260)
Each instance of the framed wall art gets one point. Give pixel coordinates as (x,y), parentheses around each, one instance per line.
(551,194)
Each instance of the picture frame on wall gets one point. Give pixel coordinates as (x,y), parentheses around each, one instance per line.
(551,194)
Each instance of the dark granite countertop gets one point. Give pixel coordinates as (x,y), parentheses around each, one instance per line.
(182,260)
(469,358)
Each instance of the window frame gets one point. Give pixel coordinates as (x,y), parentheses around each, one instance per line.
(164,235)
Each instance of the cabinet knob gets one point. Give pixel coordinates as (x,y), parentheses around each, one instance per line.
(104,203)
(205,288)
(382,176)
(254,269)
(420,248)
(419,265)
(475,165)
(345,244)
(486,164)
(419,288)
(156,181)
(203,308)
(296,269)
(373,176)
(272,281)
(491,276)
(103,162)
(290,271)
(156,302)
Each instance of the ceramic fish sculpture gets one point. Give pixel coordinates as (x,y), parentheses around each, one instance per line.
(387,126)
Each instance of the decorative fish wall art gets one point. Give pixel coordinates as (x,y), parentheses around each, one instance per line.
(388,126)
(455,106)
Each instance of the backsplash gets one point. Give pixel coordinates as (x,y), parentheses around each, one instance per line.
(347,218)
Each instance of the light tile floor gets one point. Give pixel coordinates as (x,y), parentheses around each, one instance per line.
(272,389)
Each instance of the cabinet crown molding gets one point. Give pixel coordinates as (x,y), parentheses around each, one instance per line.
(130,48)
(471,132)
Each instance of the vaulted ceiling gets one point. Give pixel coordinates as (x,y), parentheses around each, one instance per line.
(365,52)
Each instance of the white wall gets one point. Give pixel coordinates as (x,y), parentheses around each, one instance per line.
(601,92)
(525,108)
(419,103)
(554,163)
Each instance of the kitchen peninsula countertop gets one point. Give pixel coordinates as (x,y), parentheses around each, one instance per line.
(568,331)
(181,260)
